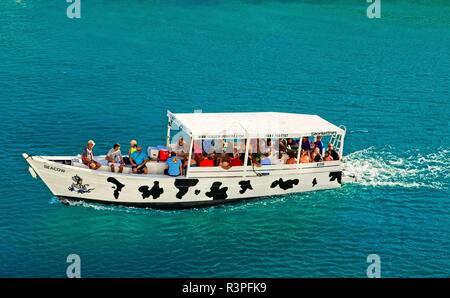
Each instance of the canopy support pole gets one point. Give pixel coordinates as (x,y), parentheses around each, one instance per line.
(299,149)
(341,147)
(191,145)
(247,145)
(298,153)
(168,135)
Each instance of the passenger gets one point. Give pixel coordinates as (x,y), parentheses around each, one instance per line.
(327,156)
(315,155)
(175,166)
(291,160)
(305,157)
(291,144)
(266,161)
(206,161)
(269,147)
(181,149)
(333,153)
(283,158)
(236,160)
(256,160)
(87,156)
(138,160)
(114,157)
(225,163)
(282,145)
(306,145)
(133,146)
(213,157)
(318,144)
(193,162)
(251,159)
(197,147)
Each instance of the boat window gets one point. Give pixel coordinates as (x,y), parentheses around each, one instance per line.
(227,153)
(315,148)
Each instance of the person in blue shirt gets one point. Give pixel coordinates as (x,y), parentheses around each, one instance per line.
(265,161)
(138,160)
(318,144)
(175,165)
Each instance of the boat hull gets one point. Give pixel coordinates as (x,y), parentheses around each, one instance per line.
(164,192)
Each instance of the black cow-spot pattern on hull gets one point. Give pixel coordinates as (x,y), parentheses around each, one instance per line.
(183,186)
(245,184)
(336,176)
(314,182)
(216,192)
(284,184)
(117,186)
(155,191)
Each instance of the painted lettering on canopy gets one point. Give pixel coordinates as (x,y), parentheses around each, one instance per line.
(323,133)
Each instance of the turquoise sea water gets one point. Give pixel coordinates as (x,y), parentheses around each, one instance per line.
(111,76)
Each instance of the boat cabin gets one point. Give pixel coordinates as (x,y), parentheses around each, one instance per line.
(252,137)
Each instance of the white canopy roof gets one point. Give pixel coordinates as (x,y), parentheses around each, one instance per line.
(251,125)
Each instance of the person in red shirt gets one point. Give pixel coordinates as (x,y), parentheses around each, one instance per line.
(236,160)
(206,161)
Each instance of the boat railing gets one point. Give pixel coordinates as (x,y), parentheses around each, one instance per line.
(277,169)
(338,140)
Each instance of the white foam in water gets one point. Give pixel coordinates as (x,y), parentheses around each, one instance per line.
(103,207)
(96,206)
(379,167)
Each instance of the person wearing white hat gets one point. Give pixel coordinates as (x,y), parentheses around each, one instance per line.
(88,156)
(133,146)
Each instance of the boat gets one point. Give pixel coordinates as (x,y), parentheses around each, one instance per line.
(70,180)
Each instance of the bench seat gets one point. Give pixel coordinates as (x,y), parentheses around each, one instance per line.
(154,167)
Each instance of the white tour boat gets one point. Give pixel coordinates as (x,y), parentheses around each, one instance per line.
(69,179)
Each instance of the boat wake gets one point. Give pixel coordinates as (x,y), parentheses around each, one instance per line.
(381,167)
(100,207)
